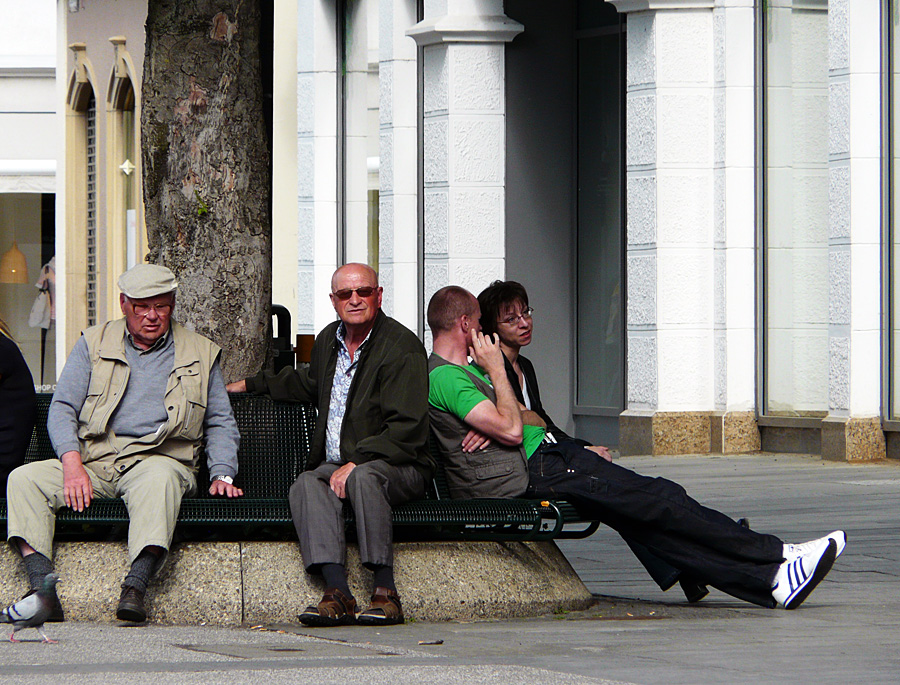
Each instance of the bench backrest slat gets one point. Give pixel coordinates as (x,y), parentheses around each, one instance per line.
(275,443)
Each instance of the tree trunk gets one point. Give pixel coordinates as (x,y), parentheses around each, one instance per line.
(206,178)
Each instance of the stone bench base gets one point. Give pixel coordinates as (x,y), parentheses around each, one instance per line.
(230,583)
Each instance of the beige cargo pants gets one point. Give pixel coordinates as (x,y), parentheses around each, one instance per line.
(152,491)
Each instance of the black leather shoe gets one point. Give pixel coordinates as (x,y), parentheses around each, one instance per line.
(131,605)
(693,590)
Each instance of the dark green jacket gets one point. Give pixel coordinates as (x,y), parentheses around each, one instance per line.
(387,406)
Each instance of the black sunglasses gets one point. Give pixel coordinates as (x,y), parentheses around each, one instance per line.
(347,293)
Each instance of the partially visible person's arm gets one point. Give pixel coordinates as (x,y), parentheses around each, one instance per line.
(532,418)
(62,426)
(222,436)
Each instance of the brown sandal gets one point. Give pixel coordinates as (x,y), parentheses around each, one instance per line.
(385,609)
(335,609)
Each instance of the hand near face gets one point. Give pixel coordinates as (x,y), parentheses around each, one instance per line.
(486,352)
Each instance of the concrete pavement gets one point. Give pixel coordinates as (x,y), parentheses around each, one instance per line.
(845,632)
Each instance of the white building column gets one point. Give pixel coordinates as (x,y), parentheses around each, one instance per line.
(316,162)
(853,428)
(734,228)
(398,177)
(465,140)
(690,271)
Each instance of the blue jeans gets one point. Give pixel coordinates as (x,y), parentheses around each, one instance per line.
(658,513)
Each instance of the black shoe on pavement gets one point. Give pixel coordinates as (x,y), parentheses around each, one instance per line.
(131,605)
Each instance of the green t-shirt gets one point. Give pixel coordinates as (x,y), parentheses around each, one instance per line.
(450,389)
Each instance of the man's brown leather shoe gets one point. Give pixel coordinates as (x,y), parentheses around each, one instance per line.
(131,605)
(335,609)
(385,609)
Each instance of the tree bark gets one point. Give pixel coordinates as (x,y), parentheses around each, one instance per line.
(206,178)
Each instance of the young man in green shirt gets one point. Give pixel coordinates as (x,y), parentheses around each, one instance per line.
(471,418)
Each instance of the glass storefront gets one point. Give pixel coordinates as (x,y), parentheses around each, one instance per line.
(28,280)
(796,208)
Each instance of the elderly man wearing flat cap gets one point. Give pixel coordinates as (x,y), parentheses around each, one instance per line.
(130,411)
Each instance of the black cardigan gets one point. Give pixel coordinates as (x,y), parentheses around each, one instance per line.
(534,393)
(18,408)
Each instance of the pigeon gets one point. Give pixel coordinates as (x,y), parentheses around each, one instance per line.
(32,610)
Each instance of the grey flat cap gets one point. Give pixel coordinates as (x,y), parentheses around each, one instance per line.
(147,280)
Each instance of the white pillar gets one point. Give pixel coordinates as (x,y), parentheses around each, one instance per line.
(853,429)
(690,227)
(398,177)
(735,230)
(465,140)
(316,162)
(670,159)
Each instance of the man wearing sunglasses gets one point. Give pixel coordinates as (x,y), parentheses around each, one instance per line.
(368,379)
(128,419)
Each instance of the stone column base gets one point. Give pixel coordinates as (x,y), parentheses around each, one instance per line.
(658,433)
(848,439)
(230,583)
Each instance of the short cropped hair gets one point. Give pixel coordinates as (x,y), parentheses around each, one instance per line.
(447,305)
(494,298)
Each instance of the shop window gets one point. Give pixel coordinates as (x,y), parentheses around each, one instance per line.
(91,204)
(600,347)
(795,208)
(28,280)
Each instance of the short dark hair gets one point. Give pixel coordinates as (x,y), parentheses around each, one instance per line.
(447,305)
(493,298)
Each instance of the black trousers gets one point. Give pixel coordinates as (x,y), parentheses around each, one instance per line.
(658,513)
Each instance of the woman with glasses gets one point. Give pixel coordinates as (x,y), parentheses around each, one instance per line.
(506,312)
(18,406)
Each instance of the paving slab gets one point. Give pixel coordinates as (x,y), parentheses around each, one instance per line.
(845,632)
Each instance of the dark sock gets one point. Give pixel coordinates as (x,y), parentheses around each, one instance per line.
(336,576)
(37,566)
(384,577)
(141,570)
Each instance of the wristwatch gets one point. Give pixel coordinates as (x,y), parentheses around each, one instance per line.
(227,479)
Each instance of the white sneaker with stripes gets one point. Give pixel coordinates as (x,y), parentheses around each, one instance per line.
(798,576)
(839,537)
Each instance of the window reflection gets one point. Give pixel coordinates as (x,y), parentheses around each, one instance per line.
(796,246)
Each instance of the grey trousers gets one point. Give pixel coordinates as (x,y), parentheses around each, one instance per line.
(372,489)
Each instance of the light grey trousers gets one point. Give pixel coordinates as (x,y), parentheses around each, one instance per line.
(372,489)
(152,491)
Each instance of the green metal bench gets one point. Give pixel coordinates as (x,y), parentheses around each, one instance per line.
(275,447)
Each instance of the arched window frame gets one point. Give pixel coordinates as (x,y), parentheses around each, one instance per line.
(81,90)
(123,132)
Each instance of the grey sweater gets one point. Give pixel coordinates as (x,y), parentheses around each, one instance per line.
(142,409)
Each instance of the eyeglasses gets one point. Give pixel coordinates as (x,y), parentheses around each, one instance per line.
(347,293)
(144,309)
(513,319)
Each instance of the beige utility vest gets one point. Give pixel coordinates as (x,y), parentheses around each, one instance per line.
(185,399)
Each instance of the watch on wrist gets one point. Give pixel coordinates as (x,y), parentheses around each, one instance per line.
(227,479)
